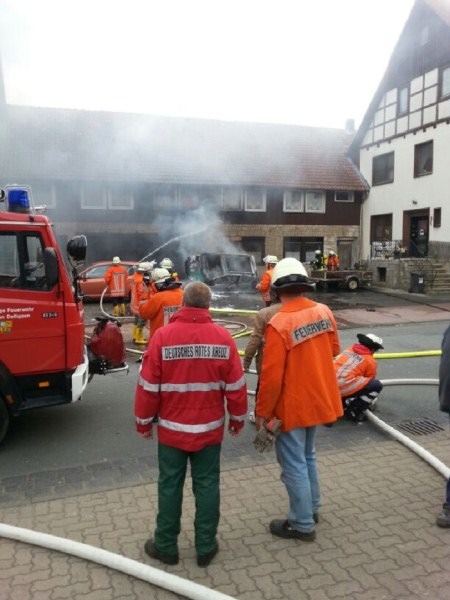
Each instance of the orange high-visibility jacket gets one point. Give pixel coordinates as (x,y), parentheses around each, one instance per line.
(160,307)
(265,283)
(137,287)
(333,263)
(355,367)
(298,382)
(115,278)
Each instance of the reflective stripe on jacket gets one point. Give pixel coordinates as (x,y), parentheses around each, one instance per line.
(355,367)
(190,372)
(298,382)
(115,278)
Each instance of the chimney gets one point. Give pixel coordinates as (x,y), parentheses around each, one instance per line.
(350,126)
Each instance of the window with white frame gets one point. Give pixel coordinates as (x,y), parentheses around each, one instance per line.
(314,202)
(255,200)
(344,196)
(232,198)
(383,168)
(93,196)
(445,82)
(43,194)
(120,198)
(403,101)
(293,201)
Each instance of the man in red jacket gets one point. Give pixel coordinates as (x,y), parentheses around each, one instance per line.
(190,370)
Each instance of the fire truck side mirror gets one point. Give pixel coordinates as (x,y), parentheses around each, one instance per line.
(76,248)
(51,267)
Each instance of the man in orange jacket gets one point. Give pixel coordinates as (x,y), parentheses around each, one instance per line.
(266,278)
(332,261)
(298,385)
(115,279)
(356,372)
(164,303)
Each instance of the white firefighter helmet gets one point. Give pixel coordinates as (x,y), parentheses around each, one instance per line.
(166,263)
(331,253)
(116,260)
(370,340)
(159,275)
(290,273)
(143,267)
(317,252)
(270,259)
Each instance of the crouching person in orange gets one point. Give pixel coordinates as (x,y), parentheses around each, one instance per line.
(356,372)
(191,370)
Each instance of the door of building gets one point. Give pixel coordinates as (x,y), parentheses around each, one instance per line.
(418,235)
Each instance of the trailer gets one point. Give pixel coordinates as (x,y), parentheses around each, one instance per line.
(350,279)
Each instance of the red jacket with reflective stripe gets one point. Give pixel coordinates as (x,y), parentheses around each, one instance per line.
(298,382)
(190,371)
(355,367)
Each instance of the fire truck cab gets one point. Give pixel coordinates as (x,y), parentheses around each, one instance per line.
(43,356)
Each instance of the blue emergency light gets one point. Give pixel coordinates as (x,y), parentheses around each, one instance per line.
(18,200)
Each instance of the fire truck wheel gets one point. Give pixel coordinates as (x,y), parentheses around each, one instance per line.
(4,420)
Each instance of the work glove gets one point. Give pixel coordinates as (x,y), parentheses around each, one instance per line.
(234,427)
(266,435)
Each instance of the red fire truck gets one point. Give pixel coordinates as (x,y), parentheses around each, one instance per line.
(44,359)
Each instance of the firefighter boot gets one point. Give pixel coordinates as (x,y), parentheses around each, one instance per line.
(122,310)
(116,310)
(140,336)
(135,329)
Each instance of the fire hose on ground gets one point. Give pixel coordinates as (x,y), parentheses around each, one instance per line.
(184,587)
(133,568)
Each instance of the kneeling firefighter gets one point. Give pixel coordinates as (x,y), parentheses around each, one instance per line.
(356,371)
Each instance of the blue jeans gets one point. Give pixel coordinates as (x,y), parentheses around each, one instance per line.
(296,455)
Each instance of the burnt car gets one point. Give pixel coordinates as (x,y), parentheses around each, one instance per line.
(223,269)
(91,280)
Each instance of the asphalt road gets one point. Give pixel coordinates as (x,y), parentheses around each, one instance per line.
(92,444)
